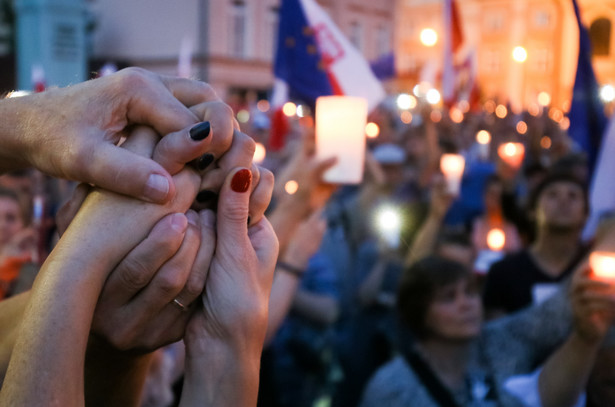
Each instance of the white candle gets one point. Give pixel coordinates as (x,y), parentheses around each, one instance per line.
(340,132)
(603,265)
(452,166)
(483,138)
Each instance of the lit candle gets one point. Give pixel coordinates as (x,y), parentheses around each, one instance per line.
(483,138)
(603,265)
(452,166)
(496,239)
(512,154)
(340,132)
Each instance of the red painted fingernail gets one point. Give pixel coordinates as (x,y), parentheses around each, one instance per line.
(241,180)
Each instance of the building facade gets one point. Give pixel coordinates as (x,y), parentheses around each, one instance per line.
(546,29)
(232,41)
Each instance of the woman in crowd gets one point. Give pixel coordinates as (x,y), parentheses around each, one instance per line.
(451,359)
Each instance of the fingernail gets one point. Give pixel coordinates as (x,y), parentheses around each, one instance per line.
(179,222)
(193,218)
(204,161)
(205,196)
(241,180)
(200,131)
(156,188)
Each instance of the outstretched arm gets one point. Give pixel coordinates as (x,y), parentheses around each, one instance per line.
(73,132)
(54,332)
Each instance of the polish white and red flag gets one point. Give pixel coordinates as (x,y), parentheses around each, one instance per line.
(459,63)
(314,58)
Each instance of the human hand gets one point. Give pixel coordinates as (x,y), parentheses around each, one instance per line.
(224,338)
(73,132)
(137,308)
(593,305)
(306,240)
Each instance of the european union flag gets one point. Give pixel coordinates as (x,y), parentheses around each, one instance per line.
(298,61)
(587,118)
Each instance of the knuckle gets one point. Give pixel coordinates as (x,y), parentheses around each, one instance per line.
(135,273)
(133,77)
(170,282)
(235,211)
(195,285)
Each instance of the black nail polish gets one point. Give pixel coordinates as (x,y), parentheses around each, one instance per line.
(200,131)
(205,196)
(204,161)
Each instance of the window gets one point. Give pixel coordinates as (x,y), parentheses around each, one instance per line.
(600,35)
(542,19)
(494,22)
(383,40)
(238,29)
(271,32)
(356,35)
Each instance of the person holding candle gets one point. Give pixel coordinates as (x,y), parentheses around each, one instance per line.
(559,207)
(449,358)
(493,218)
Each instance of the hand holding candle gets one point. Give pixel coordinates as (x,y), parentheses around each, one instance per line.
(452,166)
(340,133)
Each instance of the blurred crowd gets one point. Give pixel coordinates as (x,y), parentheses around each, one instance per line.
(390,292)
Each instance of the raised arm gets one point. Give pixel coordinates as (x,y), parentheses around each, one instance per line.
(73,132)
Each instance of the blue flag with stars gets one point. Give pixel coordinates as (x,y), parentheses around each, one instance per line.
(587,118)
(298,61)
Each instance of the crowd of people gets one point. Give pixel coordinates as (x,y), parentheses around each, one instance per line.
(146,260)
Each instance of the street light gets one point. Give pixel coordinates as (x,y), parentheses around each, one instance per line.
(429,37)
(519,54)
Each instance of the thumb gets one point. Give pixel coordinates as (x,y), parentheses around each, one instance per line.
(125,172)
(233,205)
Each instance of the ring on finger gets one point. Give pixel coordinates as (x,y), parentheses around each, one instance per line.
(179,304)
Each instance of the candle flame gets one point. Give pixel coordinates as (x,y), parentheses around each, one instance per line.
(496,239)
(603,265)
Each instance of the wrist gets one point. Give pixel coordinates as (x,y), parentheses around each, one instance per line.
(289,267)
(585,340)
(16,116)
(221,375)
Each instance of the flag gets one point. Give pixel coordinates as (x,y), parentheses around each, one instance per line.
(601,193)
(458,70)
(587,118)
(314,59)
(587,128)
(384,66)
